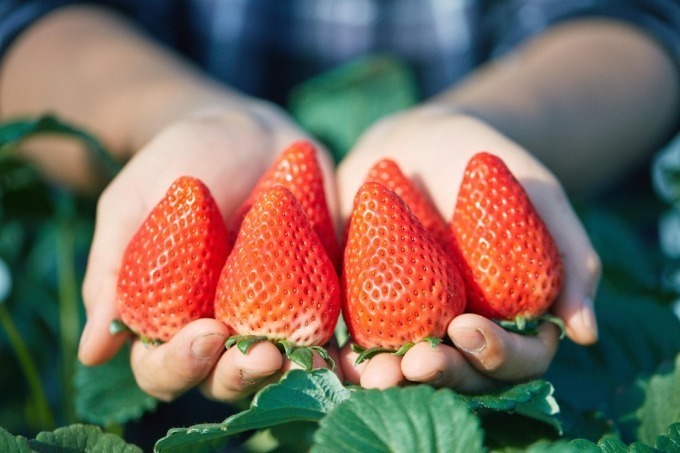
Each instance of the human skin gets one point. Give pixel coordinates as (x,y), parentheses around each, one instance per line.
(572,98)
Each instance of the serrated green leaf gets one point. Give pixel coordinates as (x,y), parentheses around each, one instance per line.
(400,420)
(10,443)
(532,399)
(608,445)
(651,404)
(299,396)
(81,438)
(108,394)
(669,442)
(560,446)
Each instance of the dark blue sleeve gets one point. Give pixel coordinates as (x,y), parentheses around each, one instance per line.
(161,18)
(508,23)
(16,15)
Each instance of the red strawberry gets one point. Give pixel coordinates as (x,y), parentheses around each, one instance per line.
(279,283)
(399,287)
(297,169)
(171,266)
(511,266)
(388,173)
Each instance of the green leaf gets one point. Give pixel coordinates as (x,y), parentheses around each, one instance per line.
(669,442)
(299,396)
(81,438)
(651,404)
(108,394)
(14,132)
(637,334)
(13,444)
(609,445)
(532,399)
(339,105)
(665,443)
(410,419)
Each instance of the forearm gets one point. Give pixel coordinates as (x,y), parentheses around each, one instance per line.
(92,68)
(589,98)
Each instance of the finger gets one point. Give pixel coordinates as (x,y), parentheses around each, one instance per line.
(443,366)
(237,375)
(382,371)
(575,303)
(582,269)
(168,370)
(115,224)
(500,354)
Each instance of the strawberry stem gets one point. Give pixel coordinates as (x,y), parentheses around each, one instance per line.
(368,353)
(301,355)
(524,326)
(244,342)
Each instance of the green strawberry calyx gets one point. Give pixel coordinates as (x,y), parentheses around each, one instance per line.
(117,326)
(301,355)
(524,326)
(368,353)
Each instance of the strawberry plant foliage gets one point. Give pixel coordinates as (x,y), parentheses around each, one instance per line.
(651,404)
(400,420)
(10,442)
(299,396)
(108,394)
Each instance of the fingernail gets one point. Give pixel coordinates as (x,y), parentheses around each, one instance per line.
(472,341)
(207,346)
(588,316)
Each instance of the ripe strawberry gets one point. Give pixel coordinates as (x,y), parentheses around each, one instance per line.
(297,169)
(172,264)
(399,287)
(388,173)
(511,266)
(279,283)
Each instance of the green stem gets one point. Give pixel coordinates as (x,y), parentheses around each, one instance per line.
(69,325)
(30,370)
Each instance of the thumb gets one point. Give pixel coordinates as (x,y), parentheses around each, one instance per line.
(115,224)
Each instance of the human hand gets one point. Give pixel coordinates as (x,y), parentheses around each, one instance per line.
(432,145)
(228,149)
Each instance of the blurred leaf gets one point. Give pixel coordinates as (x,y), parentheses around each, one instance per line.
(666,172)
(651,404)
(80,438)
(339,105)
(299,396)
(14,132)
(532,399)
(108,394)
(407,419)
(628,262)
(669,442)
(13,444)
(609,445)
(666,443)
(542,446)
(637,334)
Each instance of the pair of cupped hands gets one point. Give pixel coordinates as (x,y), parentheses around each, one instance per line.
(229,149)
